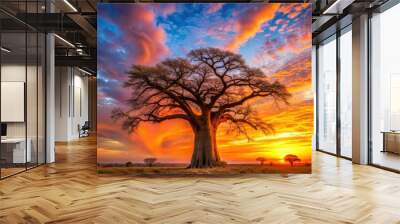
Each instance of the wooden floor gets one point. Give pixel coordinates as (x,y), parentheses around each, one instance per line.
(70,191)
(387,159)
(5,172)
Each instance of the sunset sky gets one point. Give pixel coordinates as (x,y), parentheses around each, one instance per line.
(273,37)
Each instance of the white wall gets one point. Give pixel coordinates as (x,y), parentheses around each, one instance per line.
(16,73)
(33,127)
(80,109)
(71,102)
(61,103)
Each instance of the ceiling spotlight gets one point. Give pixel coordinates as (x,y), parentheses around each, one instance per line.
(70,5)
(5,50)
(79,51)
(84,71)
(337,7)
(65,41)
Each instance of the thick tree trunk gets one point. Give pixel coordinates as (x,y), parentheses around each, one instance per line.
(214,135)
(205,152)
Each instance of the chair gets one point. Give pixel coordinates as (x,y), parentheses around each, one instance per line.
(84,130)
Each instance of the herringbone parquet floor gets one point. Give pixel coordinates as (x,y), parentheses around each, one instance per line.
(70,191)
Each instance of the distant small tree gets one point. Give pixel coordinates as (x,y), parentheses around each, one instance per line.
(290,158)
(150,161)
(261,160)
(128,164)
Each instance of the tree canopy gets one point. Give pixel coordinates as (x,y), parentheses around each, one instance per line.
(208,80)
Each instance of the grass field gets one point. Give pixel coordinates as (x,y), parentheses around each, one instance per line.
(181,170)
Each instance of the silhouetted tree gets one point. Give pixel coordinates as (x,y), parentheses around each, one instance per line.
(292,159)
(128,164)
(149,161)
(208,88)
(261,160)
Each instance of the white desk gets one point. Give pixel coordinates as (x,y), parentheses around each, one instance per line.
(19,155)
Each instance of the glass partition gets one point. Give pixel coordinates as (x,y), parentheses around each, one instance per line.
(13,94)
(346,93)
(41,96)
(327,96)
(22,88)
(31,99)
(385,89)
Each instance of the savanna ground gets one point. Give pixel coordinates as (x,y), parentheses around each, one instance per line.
(182,170)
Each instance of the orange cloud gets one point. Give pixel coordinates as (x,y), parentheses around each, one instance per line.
(292,10)
(286,8)
(251,23)
(142,40)
(295,44)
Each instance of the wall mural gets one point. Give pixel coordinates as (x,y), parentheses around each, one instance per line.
(204,88)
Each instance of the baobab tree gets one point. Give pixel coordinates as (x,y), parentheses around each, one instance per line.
(206,89)
(292,159)
(150,161)
(261,160)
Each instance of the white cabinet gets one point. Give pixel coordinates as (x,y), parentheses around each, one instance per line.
(18,149)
